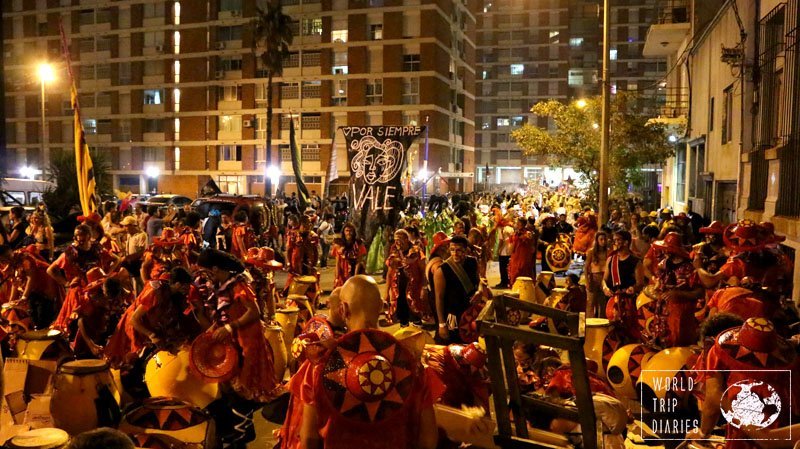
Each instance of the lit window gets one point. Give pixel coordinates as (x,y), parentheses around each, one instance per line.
(176,96)
(485,74)
(177,158)
(554,37)
(612,54)
(230,123)
(312,27)
(153,96)
(177,14)
(230,152)
(516,69)
(375,92)
(340,70)
(503,122)
(575,41)
(376,32)
(339,36)
(90,126)
(517,120)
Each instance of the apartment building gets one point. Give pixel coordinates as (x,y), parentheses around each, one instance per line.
(536,50)
(172,94)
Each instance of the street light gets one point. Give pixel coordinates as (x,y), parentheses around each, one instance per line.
(581,103)
(274,175)
(46,75)
(152,172)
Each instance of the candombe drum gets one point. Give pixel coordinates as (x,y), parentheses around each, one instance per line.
(625,367)
(168,374)
(664,376)
(46,344)
(45,438)
(16,317)
(646,307)
(306,286)
(526,289)
(559,254)
(170,417)
(85,397)
(600,343)
(277,343)
(287,318)
(555,301)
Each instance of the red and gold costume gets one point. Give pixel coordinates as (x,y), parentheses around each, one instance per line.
(523,258)
(462,371)
(757,256)
(368,392)
(740,301)
(302,252)
(347,256)
(99,315)
(76,263)
(407,272)
(255,380)
(585,229)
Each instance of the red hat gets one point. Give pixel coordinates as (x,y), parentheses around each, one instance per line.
(756,344)
(745,235)
(263,257)
(672,244)
(168,238)
(369,376)
(769,230)
(716,227)
(439,239)
(95,278)
(92,217)
(682,216)
(213,361)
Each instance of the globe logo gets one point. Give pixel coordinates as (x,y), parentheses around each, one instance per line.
(752,403)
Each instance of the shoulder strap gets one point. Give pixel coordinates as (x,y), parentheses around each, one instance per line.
(458,270)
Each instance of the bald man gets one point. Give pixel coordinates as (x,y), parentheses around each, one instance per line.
(335,310)
(361,306)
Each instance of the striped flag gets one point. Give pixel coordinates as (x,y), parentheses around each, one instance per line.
(297,166)
(83,160)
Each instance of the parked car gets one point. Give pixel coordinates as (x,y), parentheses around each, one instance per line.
(163,201)
(225,202)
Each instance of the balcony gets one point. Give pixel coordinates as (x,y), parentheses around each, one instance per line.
(665,37)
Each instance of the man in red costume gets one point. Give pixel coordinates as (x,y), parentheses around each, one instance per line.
(623,280)
(106,301)
(405,278)
(523,252)
(236,316)
(302,252)
(349,252)
(41,292)
(753,354)
(390,408)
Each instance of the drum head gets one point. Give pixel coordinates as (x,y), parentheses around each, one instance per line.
(297,299)
(44,334)
(84,367)
(213,361)
(290,310)
(559,256)
(47,438)
(306,279)
(597,322)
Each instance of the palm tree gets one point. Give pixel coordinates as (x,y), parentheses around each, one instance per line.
(272,36)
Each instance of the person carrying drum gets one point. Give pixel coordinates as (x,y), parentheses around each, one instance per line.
(623,279)
(106,301)
(349,252)
(237,318)
(523,252)
(302,252)
(405,278)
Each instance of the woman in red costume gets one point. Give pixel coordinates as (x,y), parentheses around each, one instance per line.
(405,278)
(302,252)
(237,317)
(106,301)
(242,235)
(165,253)
(42,293)
(585,228)
(71,267)
(349,252)
(523,255)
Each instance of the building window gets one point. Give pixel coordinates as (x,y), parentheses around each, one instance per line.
(516,69)
(411,91)
(227,64)
(411,63)
(90,126)
(711,115)
(125,130)
(503,121)
(555,37)
(339,92)
(177,158)
(375,92)
(230,123)
(290,91)
(376,32)
(229,33)
(285,151)
(309,152)
(311,58)
(575,41)
(230,5)
(339,36)
(312,27)
(727,114)
(517,121)
(310,121)
(230,152)
(230,93)
(286,120)
(312,89)
(104,99)
(87,72)
(292,60)
(697,155)
(153,96)
(152,154)
(340,70)
(153,126)
(103,71)
(612,54)
(680,174)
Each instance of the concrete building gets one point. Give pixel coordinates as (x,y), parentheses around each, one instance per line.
(534,50)
(740,154)
(172,95)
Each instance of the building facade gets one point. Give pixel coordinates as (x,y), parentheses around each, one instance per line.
(536,50)
(172,95)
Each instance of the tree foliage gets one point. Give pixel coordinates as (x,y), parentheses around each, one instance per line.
(62,172)
(575,141)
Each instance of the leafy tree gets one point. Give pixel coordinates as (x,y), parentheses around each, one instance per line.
(634,140)
(62,172)
(272,36)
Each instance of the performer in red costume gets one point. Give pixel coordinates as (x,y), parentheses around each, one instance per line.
(585,228)
(236,316)
(679,290)
(405,277)
(623,280)
(349,252)
(71,267)
(391,407)
(40,291)
(523,253)
(97,317)
(755,355)
(302,252)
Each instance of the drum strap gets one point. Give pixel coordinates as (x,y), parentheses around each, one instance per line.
(466,283)
(615,277)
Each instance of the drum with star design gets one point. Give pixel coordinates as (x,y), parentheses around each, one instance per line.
(369,377)
(559,256)
(172,417)
(601,342)
(646,304)
(625,367)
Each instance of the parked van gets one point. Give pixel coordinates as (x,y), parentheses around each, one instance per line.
(22,192)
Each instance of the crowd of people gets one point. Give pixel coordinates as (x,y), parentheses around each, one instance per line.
(135,282)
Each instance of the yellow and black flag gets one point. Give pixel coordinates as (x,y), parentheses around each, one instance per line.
(83,160)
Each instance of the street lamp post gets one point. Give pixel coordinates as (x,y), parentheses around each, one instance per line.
(606,117)
(46,75)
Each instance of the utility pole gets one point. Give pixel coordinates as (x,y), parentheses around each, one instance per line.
(606,117)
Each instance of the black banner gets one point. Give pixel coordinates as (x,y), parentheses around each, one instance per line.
(377,159)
